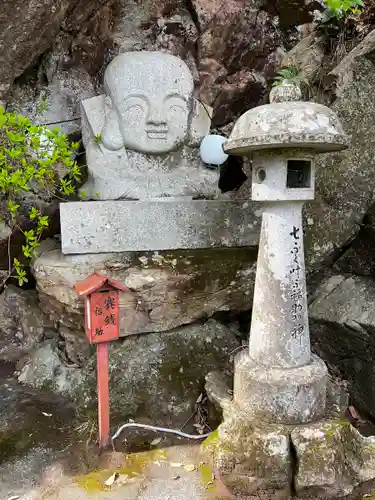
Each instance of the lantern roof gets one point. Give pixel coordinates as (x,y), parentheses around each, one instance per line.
(96,282)
(287,122)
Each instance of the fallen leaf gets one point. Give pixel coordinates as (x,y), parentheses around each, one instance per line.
(111,479)
(176,477)
(189,468)
(46,414)
(155,441)
(176,464)
(16,497)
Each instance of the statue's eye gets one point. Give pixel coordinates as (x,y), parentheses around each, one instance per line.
(139,102)
(175,103)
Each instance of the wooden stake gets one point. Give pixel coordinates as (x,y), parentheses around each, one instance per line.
(103,394)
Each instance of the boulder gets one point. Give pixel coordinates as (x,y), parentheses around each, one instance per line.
(168,289)
(31,419)
(22,324)
(28,29)
(154,378)
(56,103)
(344,180)
(342,317)
(44,369)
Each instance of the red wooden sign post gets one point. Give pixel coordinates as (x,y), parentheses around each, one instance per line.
(102,325)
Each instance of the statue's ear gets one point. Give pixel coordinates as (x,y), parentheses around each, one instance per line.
(111,135)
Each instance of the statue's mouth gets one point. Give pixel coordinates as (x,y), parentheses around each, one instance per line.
(157,134)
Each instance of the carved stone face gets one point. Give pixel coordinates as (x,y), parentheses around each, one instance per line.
(151,96)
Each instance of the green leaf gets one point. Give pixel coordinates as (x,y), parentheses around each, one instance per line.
(12,207)
(33,214)
(27,251)
(21,275)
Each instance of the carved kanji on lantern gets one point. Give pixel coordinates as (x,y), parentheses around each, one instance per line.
(102,307)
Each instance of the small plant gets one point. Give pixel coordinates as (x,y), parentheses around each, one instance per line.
(291,75)
(98,139)
(30,156)
(340,25)
(337,10)
(42,105)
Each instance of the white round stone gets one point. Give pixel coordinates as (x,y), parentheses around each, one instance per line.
(211,150)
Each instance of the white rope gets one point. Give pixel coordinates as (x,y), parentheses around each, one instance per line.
(159,429)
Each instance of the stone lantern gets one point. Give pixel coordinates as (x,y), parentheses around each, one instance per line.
(284,431)
(279,380)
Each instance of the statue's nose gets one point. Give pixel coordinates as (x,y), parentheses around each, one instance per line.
(156,117)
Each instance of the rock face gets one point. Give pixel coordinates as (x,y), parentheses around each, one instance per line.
(342,317)
(22,323)
(28,29)
(231,47)
(345,182)
(156,377)
(169,289)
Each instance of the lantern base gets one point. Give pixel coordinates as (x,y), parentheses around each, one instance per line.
(279,395)
(324,459)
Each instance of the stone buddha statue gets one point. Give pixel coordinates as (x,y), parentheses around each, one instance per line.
(142,137)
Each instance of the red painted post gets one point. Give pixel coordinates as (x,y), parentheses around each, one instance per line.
(102,325)
(103,394)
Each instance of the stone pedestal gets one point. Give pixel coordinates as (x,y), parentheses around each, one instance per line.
(324,459)
(276,395)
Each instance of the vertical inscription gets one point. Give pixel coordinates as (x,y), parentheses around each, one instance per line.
(296,293)
(105,316)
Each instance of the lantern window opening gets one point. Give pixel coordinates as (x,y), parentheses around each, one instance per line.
(261,174)
(298,174)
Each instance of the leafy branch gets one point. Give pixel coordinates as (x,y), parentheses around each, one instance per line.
(33,159)
(336,10)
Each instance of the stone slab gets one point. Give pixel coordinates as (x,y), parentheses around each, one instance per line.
(122,226)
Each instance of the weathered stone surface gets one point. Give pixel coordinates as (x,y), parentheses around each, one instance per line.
(250,457)
(279,395)
(120,226)
(287,125)
(22,323)
(29,28)
(240,44)
(307,55)
(23,423)
(333,460)
(359,258)
(43,369)
(323,459)
(57,102)
(345,180)
(342,318)
(155,377)
(169,289)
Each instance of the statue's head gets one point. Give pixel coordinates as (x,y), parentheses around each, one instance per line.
(150,95)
